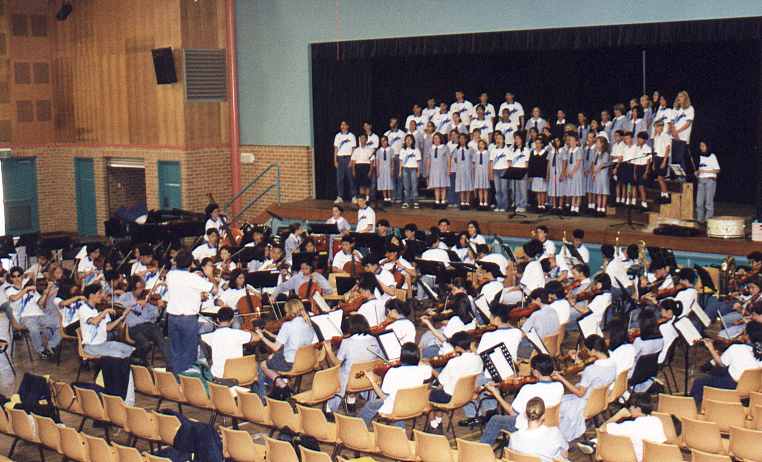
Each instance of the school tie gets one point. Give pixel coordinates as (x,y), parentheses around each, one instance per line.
(535,126)
(462,154)
(480,157)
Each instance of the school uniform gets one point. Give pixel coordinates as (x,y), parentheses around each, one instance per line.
(463,160)
(499,156)
(601,181)
(204,250)
(601,373)
(362,157)
(640,163)
(582,131)
(538,170)
(624,357)
(404,329)
(483,125)
(646,427)
(515,112)
(425,147)
(659,146)
(211,223)
(519,158)
(420,122)
(344,144)
(643,347)
(465,109)
(373,311)
(95,340)
(508,129)
(618,123)
(452,195)
(707,187)
(489,112)
(409,160)
(442,122)
(626,168)
(607,130)
(558,130)
(385,168)
(341,223)
(439,176)
(538,124)
(366,220)
(358,348)
(663,115)
(546,443)
(636,126)
(467,363)
(680,144)
(735,360)
(396,137)
(587,166)
(575,185)
(428,113)
(225,343)
(481,170)
(396,379)
(556,159)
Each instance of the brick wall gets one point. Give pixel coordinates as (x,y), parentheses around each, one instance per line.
(126,187)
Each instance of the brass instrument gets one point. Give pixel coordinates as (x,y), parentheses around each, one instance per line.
(727,274)
(617,248)
(565,254)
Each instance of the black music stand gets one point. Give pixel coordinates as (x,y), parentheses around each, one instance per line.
(434,268)
(462,269)
(493,268)
(371,241)
(344,284)
(515,174)
(323,228)
(449,238)
(454,257)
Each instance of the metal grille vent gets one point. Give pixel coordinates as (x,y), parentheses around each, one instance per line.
(205,76)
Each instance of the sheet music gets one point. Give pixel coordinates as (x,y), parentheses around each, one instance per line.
(329,324)
(320,301)
(689,332)
(432,294)
(700,313)
(503,367)
(390,344)
(498,362)
(533,337)
(589,325)
(482,305)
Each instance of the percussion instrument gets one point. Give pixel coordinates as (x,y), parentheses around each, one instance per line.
(726,227)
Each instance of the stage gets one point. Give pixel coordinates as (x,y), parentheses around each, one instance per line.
(597,230)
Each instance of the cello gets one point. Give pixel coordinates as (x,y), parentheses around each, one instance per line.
(250,308)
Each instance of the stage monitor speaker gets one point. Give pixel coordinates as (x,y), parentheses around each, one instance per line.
(164,65)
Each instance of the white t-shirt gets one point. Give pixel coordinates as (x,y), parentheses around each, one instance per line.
(739,358)
(508,129)
(400,378)
(409,157)
(372,141)
(515,111)
(204,251)
(645,427)
(617,151)
(395,140)
(484,126)
(599,304)
(532,277)
(617,271)
(550,392)
(709,162)
(489,111)
(547,443)
(520,159)
(341,223)
(466,364)
(293,335)
(230,297)
(363,155)
(499,157)
(139,267)
(92,335)
(464,109)
(429,112)
(442,122)
(226,343)
(624,357)
(420,122)
(341,259)
(549,248)
(681,117)
(25,306)
(661,142)
(563,310)
(642,155)
(184,292)
(345,142)
(404,329)
(510,337)
(629,152)
(366,220)
(374,311)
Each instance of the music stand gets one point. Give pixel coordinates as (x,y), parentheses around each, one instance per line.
(434,268)
(462,269)
(498,362)
(262,279)
(492,268)
(515,174)
(453,256)
(449,238)
(323,228)
(344,284)
(371,241)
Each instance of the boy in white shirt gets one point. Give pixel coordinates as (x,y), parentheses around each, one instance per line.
(399,312)
(209,248)
(360,162)
(429,111)
(515,110)
(95,326)
(225,343)
(662,147)
(489,109)
(26,304)
(506,126)
(343,144)
(708,169)
(366,217)
(547,443)
(640,164)
(442,119)
(462,107)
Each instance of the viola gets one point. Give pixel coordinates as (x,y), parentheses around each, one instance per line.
(578,365)
(250,308)
(353,303)
(517,312)
(380,370)
(587,295)
(477,332)
(514,383)
(440,361)
(377,329)
(307,290)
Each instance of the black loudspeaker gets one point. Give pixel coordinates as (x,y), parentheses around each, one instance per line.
(64,12)
(164,65)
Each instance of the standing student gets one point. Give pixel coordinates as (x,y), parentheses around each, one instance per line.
(519,158)
(600,175)
(640,166)
(464,171)
(536,121)
(395,136)
(515,111)
(606,124)
(442,120)
(555,169)
(426,142)
(361,163)
(481,122)
(429,111)
(457,122)
(439,168)
(619,122)
(575,174)
(366,217)
(481,174)
(662,147)
(452,145)
(646,112)
(559,126)
(538,169)
(489,109)
(587,169)
(709,168)
(682,125)
(583,128)
(385,170)
(505,125)
(417,117)
(462,107)
(664,114)
(343,144)
(410,156)
(635,123)
(498,165)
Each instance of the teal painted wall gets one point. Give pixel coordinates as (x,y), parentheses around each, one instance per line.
(274,38)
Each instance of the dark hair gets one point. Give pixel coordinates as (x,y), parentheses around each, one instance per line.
(225,314)
(458,283)
(643,136)
(410,227)
(578,233)
(532,248)
(293,227)
(368,282)
(357,324)
(397,305)
(500,310)
(461,305)
(675,306)
(617,332)
(555,288)
(542,363)
(582,268)
(134,281)
(183,259)
(461,339)
(383,222)
(475,225)
(545,265)
(92,247)
(543,228)
(539,293)
(16,269)
(604,280)
(233,276)
(348,239)
(632,251)
(409,354)
(443,220)
(205,261)
(596,343)
(687,274)
(649,328)
(412,138)
(607,250)
(641,401)
(91,289)
(211,208)
(211,231)
(755,338)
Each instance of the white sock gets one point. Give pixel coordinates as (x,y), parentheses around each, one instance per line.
(351,399)
(435,422)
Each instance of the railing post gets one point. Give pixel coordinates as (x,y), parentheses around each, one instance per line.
(277,181)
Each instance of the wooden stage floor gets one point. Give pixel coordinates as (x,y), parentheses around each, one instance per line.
(597,230)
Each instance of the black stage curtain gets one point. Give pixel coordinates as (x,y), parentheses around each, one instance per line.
(579,69)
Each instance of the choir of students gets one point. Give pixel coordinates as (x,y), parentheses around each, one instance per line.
(470,155)
(541,294)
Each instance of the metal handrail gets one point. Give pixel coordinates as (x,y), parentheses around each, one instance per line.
(251,184)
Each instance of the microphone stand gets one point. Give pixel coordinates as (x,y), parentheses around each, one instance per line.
(628,223)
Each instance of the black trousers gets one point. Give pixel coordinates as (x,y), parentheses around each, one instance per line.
(147,334)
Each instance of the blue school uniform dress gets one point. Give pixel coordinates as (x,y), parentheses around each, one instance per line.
(599,374)
(464,169)
(587,166)
(575,185)
(426,145)
(481,170)
(384,167)
(555,165)
(563,161)
(601,181)
(439,176)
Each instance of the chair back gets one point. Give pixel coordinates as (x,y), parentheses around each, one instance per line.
(724,414)
(409,403)
(750,380)
(144,381)
(305,361)
(81,348)
(614,448)
(619,387)
(704,436)
(283,416)
(515,456)
(596,402)
(325,384)
(48,432)
(128,454)
(5,422)
(92,406)
(393,442)
(308,455)
(280,451)
(242,369)
(646,368)
(168,427)
(23,425)
(745,444)
(143,423)
(755,412)
(64,398)
(168,386)
(661,452)
(432,448)
(153,458)
(195,392)
(73,445)
(669,427)
(551,343)
(238,445)
(253,409)
(315,424)
(473,450)
(224,400)
(720,394)
(683,407)
(115,410)
(553,416)
(355,384)
(352,433)
(700,456)
(99,450)
(465,388)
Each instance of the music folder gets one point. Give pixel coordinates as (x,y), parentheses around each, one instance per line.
(589,324)
(328,325)
(390,344)
(687,330)
(482,304)
(344,284)
(323,228)
(536,341)
(515,173)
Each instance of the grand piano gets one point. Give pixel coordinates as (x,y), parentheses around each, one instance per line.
(159,226)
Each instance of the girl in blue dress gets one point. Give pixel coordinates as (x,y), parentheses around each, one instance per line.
(575,178)
(481,174)
(385,169)
(439,168)
(600,174)
(587,168)
(555,170)
(464,171)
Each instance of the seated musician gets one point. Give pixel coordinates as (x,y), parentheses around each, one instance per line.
(463,250)
(225,263)
(208,249)
(68,300)
(542,234)
(655,281)
(409,374)
(337,218)
(384,277)
(688,295)
(215,219)
(618,265)
(295,333)
(206,270)
(732,311)
(142,321)
(347,254)
(730,365)
(27,303)
(40,266)
(536,439)
(649,342)
(276,259)
(435,241)
(294,240)
(601,299)
(144,258)
(635,422)
(96,326)
(601,373)
(225,342)
(465,363)
(373,309)
(515,417)
(86,270)
(383,228)
(394,262)
(620,348)
(544,321)
(304,276)
(358,346)
(671,310)
(558,302)
(462,320)
(399,312)
(533,276)
(236,290)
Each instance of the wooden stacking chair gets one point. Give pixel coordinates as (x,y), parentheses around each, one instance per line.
(253,409)
(465,389)
(433,448)
(49,433)
(73,445)
(393,442)
(704,436)
(305,362)
(315,424)
(654,452)
(196,394)
(325,385)
(681,407)
(614,448)
(240,447)
(143,425)
(473,450)
(409,404)
(24,430)
(145,383)
(93,409)
(225,403)
(99,450)
(243,370)
(725,414)
(700,456)
(352,434)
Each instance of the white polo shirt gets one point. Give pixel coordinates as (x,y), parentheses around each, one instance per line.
(345,142)
(409,157)
(499,156)
(515,111)
(91,334)
(420,122)
(661,142)
(681,117)
(404,329)
(739,358)
(400,378)
(466,364)
(226,343)
(184,292)
(642,155)
(550,392)
(395,140)
(709,162)
(366,220)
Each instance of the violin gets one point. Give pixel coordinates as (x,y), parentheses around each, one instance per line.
(587,295)
(570,286)
(377,329)
(578,365)
(440,361)
(354,301)
(477,332)
(307,290)
(514,383)
(380,370)
(517,312)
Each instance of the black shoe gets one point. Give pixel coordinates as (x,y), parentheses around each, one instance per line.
(44,355)
(436,431)
(351,408)
(471,422)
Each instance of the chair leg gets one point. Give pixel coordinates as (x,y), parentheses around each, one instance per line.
(10,362)
(235,423)
(28,347)
(158,403)
(179,407)
(106,433)
(42,453)
(13,447)
(58,353)
(449,423)
(79,371)
(82,424)
(336,451)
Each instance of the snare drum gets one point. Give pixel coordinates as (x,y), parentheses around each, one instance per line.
(726,227)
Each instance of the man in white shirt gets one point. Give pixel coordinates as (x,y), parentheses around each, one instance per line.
(489,109)
(225,343)
(366,217)
(640,424)
(533,276)
(184,292)
(515,111)
(343,144)
(429,111)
